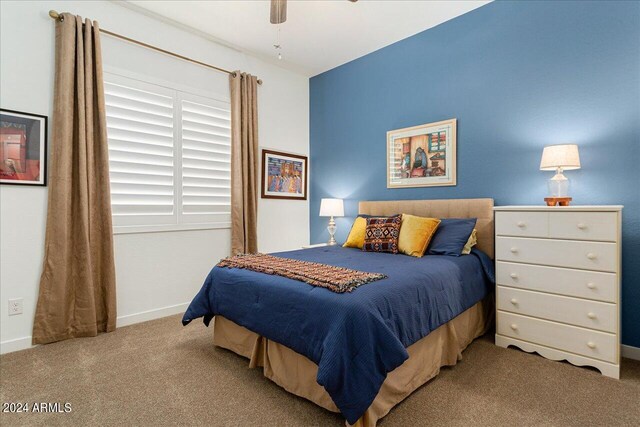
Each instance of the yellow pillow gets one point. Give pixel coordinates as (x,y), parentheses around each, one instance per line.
(356,235)
(473,240)
(415,234)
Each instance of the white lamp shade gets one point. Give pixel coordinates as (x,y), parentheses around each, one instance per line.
(331,207)
(563,156)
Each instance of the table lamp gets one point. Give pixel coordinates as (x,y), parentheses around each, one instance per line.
(331,208)
(559,158)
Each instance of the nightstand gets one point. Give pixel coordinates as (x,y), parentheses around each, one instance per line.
(558,283)
(317,245)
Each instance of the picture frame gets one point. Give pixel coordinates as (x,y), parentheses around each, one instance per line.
(284,175)
(23,148)
(422,156)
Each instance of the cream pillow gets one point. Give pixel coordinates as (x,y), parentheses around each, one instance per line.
(473,240)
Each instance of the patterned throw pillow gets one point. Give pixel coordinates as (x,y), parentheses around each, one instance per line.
(382,234)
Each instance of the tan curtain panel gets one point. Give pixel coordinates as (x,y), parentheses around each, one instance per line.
(77,287)
(244,163)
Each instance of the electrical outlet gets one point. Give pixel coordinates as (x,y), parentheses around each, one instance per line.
(15,306)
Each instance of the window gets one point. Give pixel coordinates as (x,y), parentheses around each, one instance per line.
(169,157)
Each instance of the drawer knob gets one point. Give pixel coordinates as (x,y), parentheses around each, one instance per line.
(514,326)
(591,285)
(514,250)
(513,275)
(591,315)
(514,301)
(591,344)
(521,224)
(582,226)
(591,255)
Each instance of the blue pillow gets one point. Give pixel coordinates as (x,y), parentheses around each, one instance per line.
(451,236)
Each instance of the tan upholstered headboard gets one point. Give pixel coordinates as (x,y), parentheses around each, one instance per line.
(448,208)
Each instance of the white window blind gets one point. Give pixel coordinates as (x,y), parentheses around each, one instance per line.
(169,157)
(206,161)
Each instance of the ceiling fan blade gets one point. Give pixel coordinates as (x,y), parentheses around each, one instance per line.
(278,11)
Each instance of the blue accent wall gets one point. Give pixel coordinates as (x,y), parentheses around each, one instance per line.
(517,76)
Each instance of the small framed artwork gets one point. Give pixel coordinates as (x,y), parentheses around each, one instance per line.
(284,176)
(422,156)
(23,148)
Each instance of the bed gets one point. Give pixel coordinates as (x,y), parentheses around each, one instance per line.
(363,352)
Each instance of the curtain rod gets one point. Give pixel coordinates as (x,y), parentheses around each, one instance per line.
(55,15)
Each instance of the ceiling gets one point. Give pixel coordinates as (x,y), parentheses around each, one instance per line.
(318,35)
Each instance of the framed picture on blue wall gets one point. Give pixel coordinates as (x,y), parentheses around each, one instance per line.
(422,156)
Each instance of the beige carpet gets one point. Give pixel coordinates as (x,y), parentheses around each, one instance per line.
(159,373)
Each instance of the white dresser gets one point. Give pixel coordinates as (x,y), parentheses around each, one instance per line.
(558,282)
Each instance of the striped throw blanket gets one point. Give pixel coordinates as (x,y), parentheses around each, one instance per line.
(336,279)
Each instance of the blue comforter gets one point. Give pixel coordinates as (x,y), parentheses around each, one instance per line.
(355,338)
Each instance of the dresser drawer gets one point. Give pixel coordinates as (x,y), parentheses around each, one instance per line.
(600,256)
(529,224)
(601,226)
(566,281)
(589,314)
(587,342)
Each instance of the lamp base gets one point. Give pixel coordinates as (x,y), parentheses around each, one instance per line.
(560,201)
(332,232)
(558,185)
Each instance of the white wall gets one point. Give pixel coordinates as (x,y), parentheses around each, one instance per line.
(157,273)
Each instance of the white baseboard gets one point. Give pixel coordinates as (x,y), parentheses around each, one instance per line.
(17,344)
(24,343)
(157,313)
(630,352)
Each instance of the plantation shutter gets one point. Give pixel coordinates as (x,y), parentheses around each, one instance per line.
(169,157)
(206,161)
(140,130)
